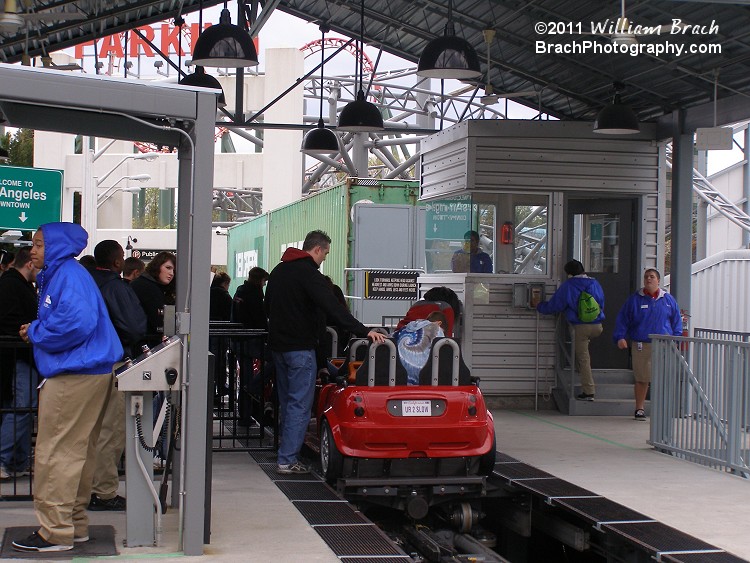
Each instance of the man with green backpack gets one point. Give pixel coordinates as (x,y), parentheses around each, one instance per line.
(581,298)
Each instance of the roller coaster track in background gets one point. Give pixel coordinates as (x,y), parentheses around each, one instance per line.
(704,189)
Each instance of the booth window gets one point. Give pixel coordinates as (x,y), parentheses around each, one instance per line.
(596,241)
(487,233)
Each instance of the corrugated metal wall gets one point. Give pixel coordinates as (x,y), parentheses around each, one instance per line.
(328,210)
(245,242)
(719,296)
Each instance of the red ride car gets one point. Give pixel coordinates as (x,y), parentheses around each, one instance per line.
(396,443)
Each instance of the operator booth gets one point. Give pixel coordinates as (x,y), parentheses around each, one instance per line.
(508,203)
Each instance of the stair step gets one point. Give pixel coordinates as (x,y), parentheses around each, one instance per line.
(597,407)
(603,377)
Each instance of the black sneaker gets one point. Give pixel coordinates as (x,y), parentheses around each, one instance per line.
(115,503)
(640,414)
(585,397)
(35,542)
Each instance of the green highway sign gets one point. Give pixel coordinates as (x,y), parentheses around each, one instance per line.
(29,197)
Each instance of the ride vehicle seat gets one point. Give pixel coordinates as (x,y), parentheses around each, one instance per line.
(354,355)
(445,365)
(381,366)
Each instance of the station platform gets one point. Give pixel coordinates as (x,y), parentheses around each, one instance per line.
(252,519)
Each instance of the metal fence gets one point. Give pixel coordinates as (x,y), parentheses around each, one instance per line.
(700,401)
(721,334)
(244,405)
(18,400)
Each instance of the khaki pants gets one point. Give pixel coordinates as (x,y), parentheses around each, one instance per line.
(109,447)
(583,335)
(71,408)
(641,361)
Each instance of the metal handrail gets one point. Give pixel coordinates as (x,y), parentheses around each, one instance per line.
(567,354)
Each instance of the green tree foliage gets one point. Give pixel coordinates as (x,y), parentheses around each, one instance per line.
(20,147)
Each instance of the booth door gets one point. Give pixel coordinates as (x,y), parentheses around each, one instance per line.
(600,235)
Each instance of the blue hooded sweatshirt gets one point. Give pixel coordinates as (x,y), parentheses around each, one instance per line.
(566,299)
(73,333)
(642,315)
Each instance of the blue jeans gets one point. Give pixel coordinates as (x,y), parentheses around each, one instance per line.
(295,381)
(15,430)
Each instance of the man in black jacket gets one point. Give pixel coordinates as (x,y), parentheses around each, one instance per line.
(18,303)
(129,320)
(298,299)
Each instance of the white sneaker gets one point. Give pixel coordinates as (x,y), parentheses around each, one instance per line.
(295,468)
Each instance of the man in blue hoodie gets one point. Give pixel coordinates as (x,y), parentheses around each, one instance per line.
(650,310)
(298,299)
(566,299)
(75,347)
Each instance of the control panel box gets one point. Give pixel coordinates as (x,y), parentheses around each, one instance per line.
(157,369)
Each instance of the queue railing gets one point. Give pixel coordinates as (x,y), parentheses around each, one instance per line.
(244,404)
(18,413)
(700,401)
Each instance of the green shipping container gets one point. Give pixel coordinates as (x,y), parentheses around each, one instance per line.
(262,240)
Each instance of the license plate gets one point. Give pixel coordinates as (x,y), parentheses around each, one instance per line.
(416,408)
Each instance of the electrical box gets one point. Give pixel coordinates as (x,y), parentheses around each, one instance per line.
(157,369)
(714,138)
(528,295)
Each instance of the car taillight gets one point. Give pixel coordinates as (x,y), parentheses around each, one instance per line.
(472,409)
(359,410)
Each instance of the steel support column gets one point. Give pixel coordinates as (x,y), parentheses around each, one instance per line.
(196,172)
(682,218)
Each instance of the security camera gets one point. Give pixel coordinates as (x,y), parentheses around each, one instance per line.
(221,231)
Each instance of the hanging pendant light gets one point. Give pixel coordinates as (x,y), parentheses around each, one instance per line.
(617,118)
(202,80)
(320,140)
(449,56)
(225,45)
(361,116)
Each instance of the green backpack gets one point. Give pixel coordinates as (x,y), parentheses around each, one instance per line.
(588,308)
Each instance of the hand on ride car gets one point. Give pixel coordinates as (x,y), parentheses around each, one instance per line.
(376,336)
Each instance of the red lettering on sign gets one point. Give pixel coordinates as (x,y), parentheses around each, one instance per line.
(136,43)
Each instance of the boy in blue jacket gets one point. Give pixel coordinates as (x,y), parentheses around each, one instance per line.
(566,300)
(75,347)
(650,310)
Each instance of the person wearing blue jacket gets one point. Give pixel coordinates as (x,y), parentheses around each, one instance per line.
(75,347)
(650,310)
(565,300)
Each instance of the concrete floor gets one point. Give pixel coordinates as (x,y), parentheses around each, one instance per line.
(253,521)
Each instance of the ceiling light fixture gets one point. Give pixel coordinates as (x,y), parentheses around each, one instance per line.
(320,140)
(225,45)
(449,56)
(361,116)
(616,118)
(202,80)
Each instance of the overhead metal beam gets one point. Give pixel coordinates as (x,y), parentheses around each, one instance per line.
(728,110)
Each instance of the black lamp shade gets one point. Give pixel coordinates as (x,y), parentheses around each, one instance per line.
(320,141)
(449,56)
(360,116)
(202,80)
(616,119)
(225,45)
